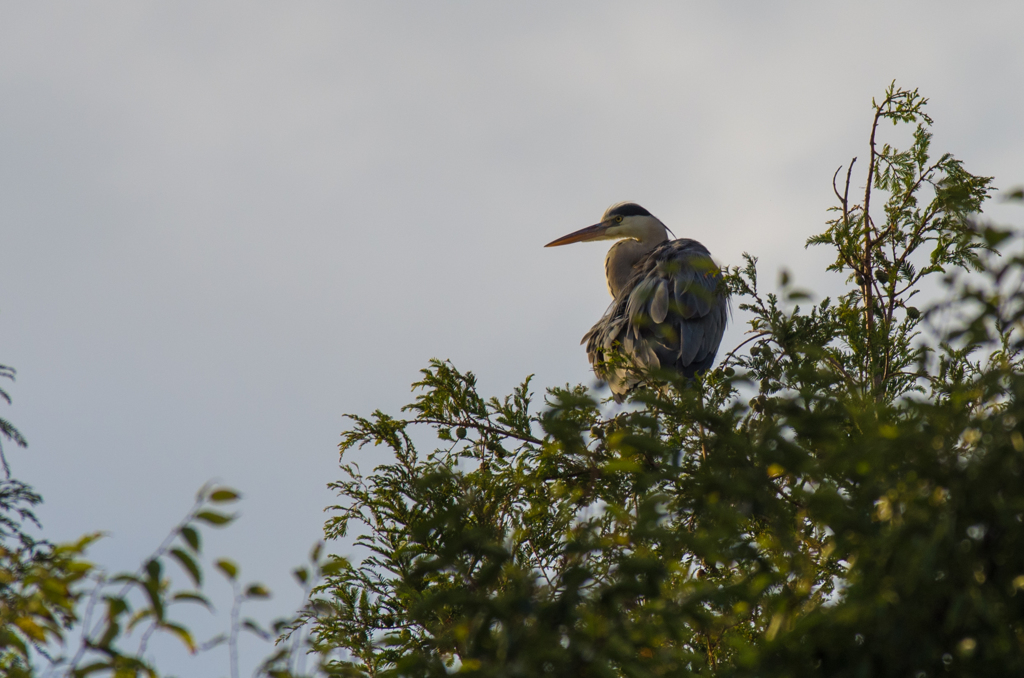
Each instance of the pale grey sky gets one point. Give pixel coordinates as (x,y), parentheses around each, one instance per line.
(223,225)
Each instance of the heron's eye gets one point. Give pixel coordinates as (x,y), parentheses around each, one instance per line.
(619,218)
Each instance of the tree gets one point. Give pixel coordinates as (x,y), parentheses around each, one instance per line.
(839,497)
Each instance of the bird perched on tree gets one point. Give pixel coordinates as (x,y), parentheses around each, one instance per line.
(670,305)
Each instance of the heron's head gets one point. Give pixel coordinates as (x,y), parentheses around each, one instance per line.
(624,220)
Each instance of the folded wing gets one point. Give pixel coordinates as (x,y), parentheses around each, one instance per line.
(671,314)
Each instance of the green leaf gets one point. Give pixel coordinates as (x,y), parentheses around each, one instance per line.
(224,495)
(256,591)
(154,569)
(996,236)
(191,537)
(214,518)
(93,668)
(335,566)
(112,631)
(189,564)
(229,569)
(192,597)
(117,605)
(622,465)
(182,633)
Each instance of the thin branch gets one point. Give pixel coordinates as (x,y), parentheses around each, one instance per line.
(480,427)
(87,633)
(836,364)
(236,609)
(3,461)
(846,192)
(144,642)
(87,618)
(732,353)
(834,189)
(866,277)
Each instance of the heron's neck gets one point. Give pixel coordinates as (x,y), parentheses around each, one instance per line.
(618,265)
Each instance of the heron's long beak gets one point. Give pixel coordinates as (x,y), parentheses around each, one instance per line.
(595,232)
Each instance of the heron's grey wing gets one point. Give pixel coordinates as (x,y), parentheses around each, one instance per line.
(677,307)
(671,313)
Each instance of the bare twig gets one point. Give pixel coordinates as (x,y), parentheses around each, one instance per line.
(866,287)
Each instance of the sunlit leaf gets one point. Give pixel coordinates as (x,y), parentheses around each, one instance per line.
(256,591)
(229,569)
(224,495)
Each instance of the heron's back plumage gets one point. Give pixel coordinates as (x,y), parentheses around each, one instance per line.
(670,313)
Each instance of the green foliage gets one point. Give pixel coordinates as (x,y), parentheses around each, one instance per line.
(926,229)
(840,497)
(7,429)
(117,605)
(37,579)
(62,615)
(37,582)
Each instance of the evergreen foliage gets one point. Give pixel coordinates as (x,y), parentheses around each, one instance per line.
(839,497)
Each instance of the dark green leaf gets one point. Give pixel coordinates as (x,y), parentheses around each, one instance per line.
(214,518)
(189,564)
(191,537)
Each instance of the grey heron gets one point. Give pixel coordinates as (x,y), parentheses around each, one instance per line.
(670,306)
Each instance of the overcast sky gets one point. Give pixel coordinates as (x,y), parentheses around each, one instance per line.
(224,225)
